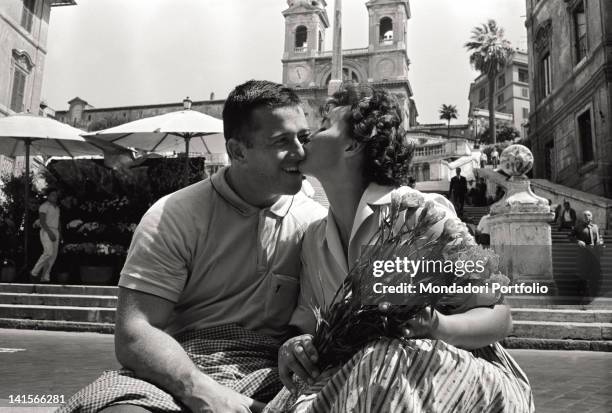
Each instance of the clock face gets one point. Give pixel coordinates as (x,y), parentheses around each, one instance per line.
(299,74)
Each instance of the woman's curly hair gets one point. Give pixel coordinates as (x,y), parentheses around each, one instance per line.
(375,119)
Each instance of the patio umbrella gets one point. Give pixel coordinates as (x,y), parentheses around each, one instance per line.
(29,135)
(170,132)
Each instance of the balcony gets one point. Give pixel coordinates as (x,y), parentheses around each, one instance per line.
(346,52)
(300,49)
(453,148)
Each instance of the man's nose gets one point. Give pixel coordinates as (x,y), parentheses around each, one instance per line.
(297,149)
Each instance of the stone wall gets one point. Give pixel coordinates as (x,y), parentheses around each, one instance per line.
(576,86)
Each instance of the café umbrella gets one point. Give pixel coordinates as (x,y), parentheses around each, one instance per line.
(29,135)
(171,132)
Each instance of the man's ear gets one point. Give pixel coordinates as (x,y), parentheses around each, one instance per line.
(236,150)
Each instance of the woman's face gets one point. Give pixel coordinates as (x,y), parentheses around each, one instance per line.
(326,146)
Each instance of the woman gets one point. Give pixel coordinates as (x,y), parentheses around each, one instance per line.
(360,157)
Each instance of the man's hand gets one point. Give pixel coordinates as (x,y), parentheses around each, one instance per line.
(216,398)
(299,356)
(581,244)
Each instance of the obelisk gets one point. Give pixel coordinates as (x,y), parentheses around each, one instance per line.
(336,72)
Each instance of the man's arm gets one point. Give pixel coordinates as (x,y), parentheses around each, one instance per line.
(142,346)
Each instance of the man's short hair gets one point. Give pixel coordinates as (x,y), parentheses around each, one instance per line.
(247,97)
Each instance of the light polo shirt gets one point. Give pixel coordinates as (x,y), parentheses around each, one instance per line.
(326,265)
(52,214)
(219,259)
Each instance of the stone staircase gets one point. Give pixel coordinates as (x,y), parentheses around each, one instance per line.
(537,323)
(58,307)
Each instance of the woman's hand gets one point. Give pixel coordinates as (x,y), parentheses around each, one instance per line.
(426,324)
(299,356)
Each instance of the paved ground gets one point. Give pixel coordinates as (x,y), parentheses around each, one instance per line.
(58,363)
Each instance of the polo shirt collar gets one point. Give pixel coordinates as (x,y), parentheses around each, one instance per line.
(280,208)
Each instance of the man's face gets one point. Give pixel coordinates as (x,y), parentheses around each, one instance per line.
(276,149)
(566,205)
(458,171)
(53,197)
(588,217)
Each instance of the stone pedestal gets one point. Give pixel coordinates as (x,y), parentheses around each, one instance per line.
(520,224)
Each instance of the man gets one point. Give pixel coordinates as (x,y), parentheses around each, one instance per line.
(589,246)
(566,217)
(457,191)
(412,182)
(49,218)
(483,159)
(495,158)
(483,230)
(212,273)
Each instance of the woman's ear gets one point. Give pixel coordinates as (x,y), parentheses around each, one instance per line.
(236,150)
(354,148)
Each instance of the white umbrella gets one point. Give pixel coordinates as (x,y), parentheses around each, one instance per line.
(31,135)
(170,132)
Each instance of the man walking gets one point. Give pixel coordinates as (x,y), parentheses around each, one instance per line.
(49,218)
(211,277)
(567,216)
(457,191)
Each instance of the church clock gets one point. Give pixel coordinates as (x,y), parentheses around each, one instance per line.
(299,74)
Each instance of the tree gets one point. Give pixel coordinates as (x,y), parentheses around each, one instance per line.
(503,133)
(491,52)
(448,112)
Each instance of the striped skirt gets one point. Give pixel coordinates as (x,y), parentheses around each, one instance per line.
(416,376)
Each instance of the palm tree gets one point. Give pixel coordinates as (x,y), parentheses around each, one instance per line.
(448,112)
(491,52)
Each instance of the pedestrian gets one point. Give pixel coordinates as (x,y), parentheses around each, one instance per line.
(483,230)
(481,187)
(458,190)
(494,158)
(49,219)
(212,274)
(483,159)
(589,243)
(412,182)
(567,217)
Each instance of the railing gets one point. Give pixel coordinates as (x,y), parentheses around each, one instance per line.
(428,151)
(300,49)
(346,52)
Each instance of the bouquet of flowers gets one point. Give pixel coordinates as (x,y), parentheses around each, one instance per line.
(356,315)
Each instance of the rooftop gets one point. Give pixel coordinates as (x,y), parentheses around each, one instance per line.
(55,3)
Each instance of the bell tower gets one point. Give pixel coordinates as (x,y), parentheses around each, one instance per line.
(305,25)
(388,24)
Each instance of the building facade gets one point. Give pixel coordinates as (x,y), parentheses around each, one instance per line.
(384,62)
(511,96)
(23,32)
(570,126)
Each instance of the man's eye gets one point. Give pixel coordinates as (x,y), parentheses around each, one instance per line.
(304,138)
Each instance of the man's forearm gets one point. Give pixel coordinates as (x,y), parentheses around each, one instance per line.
(155,356)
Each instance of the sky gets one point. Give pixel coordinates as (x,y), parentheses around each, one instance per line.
(138,52)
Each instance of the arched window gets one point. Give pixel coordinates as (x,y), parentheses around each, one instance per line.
(386,30)
(301,39)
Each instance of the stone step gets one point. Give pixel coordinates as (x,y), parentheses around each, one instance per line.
(57,325)
(556,344)
(72,300)
(59,289)
(562,315)
(563,302)
(65,313)
(562,330)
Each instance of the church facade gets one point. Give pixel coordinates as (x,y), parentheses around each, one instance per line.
(384,62)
